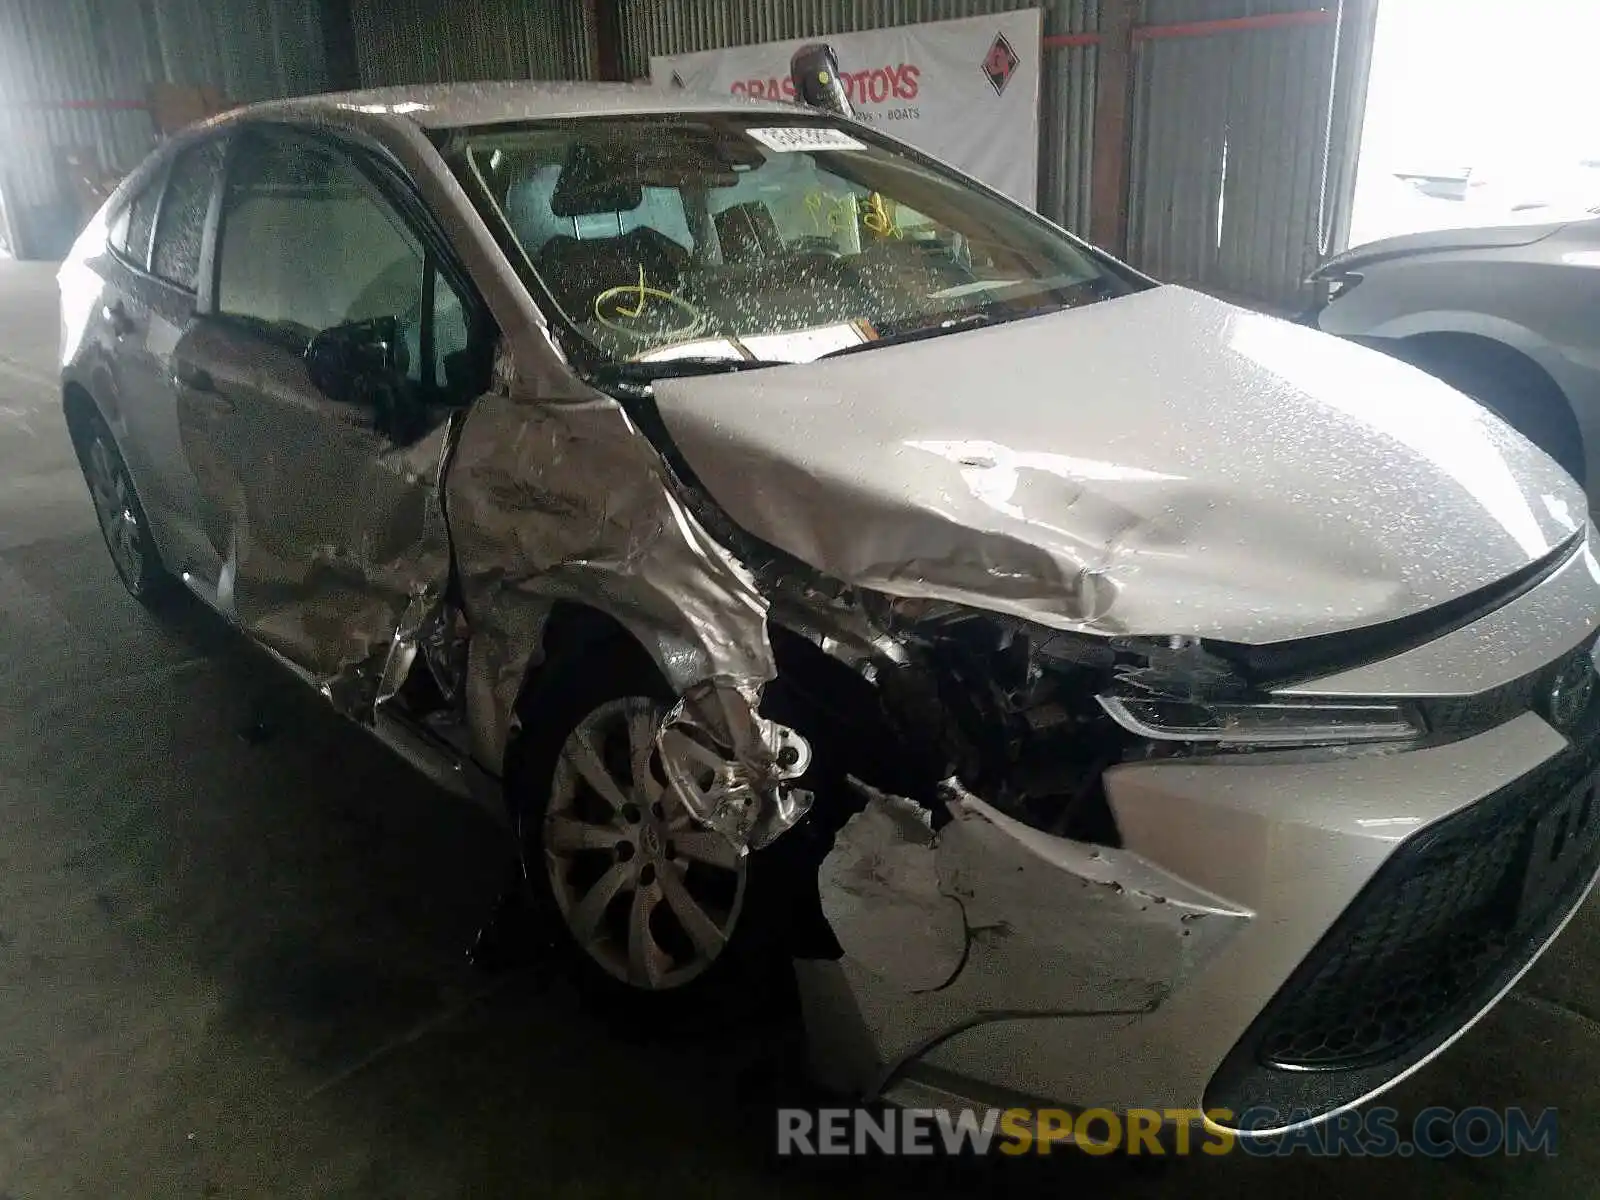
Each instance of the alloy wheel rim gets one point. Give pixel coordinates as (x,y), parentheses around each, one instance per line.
(650,896)
(113,506)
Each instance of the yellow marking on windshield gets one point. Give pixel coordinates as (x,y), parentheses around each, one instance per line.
(694,319)
(627,312)
(879,219)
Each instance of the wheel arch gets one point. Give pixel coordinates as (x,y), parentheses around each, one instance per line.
(1540,395)
(570,632)
(1471,342)
(79,407)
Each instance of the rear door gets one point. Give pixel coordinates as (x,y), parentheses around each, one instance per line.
(147,306)
(187,202)
(324,516)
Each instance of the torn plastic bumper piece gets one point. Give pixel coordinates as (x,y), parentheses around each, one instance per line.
(881,894)
(731,768)
(987,917)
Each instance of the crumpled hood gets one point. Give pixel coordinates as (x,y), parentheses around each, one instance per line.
(1163,463)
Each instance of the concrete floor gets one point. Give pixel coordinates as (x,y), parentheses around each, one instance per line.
(235,969)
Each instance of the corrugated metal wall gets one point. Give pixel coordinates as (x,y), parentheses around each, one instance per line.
(1227,188)
(55,51)
(1227,179)
(67,65)
(1067,84)
(425,41)
(421,41)
(249,49)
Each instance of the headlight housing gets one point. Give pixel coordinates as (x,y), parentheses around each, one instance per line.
(1268,723)
(1181,690)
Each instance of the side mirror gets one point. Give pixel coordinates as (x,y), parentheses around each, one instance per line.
(347,361)
(364,363)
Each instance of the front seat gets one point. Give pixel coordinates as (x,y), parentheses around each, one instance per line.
(577,271)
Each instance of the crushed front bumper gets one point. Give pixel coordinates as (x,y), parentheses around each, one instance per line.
(1345,888)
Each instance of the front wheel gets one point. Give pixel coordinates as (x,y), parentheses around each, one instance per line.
(654,909)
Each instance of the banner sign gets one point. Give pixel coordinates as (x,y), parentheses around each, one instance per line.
(964,91)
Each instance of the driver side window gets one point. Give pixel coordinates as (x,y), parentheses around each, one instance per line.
(308,243)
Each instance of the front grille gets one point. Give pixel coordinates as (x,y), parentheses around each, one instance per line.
(1451,717)
(1417,947)
(1446,923)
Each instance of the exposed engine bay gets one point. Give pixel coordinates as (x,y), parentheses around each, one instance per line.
(906,694)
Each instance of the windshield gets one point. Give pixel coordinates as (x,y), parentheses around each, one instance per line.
(764,236)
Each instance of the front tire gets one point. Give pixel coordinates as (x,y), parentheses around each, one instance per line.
(653,911)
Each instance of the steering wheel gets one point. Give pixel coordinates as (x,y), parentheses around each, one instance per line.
(807,266)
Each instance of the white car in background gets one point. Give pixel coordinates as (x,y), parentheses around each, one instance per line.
(1510,315)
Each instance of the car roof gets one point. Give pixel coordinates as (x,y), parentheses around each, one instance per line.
(450,105)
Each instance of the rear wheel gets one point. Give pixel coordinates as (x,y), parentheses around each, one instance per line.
(122,519)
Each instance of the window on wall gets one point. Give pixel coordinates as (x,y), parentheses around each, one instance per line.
(180,231)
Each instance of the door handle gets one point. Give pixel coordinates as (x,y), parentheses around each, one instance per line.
(117,317)
(196,379)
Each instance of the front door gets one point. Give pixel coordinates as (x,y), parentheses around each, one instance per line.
(322,509)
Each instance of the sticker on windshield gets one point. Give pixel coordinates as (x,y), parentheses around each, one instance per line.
(805,137)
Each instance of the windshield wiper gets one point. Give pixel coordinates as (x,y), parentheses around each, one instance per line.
(997,315)
(668,368)
(917,334)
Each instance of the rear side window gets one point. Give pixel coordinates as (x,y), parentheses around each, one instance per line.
(183,214)
(141,220)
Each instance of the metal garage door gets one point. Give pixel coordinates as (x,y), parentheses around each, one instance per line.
(1228,186)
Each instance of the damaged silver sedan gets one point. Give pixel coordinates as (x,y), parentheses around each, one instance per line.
(1152,704)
